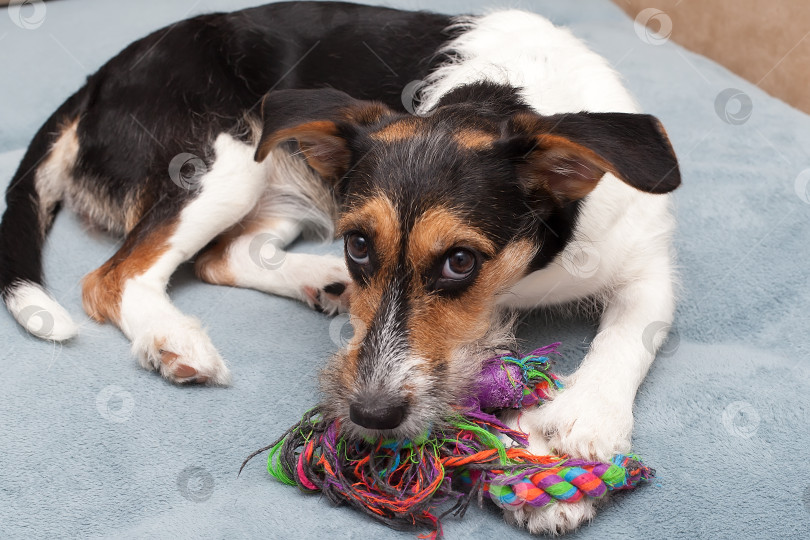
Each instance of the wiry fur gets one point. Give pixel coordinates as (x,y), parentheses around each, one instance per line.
(399,370)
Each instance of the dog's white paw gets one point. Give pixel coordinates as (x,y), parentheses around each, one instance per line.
(556,518)
(328,288)
(181,352)
(582,422)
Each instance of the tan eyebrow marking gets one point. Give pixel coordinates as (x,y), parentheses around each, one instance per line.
(378,217)
(474,139)
(396,131)
(438,230)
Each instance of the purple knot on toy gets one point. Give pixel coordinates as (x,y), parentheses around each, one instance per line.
(511,382)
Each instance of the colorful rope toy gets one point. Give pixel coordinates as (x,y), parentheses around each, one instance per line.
(402,483)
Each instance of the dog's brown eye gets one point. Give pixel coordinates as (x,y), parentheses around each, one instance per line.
(357,248)
(459,264)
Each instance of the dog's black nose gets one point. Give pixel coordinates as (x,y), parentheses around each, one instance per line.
(373,415)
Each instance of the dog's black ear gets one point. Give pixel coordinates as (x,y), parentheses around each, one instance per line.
(321,122)
(567,154)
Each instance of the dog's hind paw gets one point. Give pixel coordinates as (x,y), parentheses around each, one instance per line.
(183,354)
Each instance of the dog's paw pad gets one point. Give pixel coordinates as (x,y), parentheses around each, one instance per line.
(335,289)
(183,371)
(184,355)
(177,371)
(330,299)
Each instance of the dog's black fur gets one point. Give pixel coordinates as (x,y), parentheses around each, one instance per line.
(174,90)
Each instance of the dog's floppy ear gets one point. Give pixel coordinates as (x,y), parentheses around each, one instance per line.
(321,122)
(566,155)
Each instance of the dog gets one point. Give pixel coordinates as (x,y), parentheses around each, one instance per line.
(469,164)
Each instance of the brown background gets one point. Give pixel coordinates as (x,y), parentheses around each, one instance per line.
(765,41)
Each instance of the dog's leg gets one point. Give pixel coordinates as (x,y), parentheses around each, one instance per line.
(130,289)
(252,255)
(593,417)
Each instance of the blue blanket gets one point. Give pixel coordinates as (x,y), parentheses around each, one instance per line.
(92,445)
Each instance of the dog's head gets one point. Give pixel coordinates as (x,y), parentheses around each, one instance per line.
(440,215)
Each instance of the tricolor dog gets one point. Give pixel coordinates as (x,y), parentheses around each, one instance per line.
(523,152)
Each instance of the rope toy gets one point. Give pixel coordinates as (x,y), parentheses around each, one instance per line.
(403,482)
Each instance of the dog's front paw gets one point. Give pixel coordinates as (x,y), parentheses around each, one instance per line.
(584,423)
(555,518)
(328,289)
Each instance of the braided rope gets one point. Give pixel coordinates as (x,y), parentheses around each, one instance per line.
(567,480)
(402,483)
